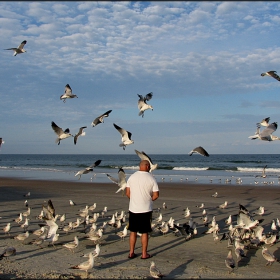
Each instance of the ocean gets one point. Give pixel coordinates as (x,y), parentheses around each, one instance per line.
(173,168)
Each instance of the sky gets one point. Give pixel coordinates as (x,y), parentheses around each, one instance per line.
(202,61)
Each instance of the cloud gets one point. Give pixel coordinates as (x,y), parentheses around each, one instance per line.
(202,60)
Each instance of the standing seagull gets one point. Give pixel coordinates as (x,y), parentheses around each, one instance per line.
(200,151)
(271,74)
(85,265)
(80,133)
(88,169)
(126,136)
(229,261)
(121,182)
(142,105)
(155,272)
(100,119)
(19,49)
(269,256)
(67,93)
(7,252)
(223,206)
(60,133)
(72,203)
(144,156)
(215,194)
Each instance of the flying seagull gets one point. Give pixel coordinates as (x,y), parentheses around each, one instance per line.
(80,133)
(263,173)
(271,74)
(1,142)
(264,122)
(48,211)
(19,49)
(67,93)
(200,151)
(126,136)
(100,119)
(266,134)
(142,104)
(121,182)
(27,194)
(60,133)
(144,156)
(88,169)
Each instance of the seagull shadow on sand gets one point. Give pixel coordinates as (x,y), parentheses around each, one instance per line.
(40,253)
(179,270)
(171,244)
(251,253)
(169,209)
(276,253)
(277,203)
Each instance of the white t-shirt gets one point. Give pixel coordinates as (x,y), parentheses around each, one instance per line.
(142,184)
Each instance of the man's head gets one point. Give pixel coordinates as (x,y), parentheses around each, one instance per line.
(144,165)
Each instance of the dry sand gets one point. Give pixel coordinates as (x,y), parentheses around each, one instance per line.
(177,258)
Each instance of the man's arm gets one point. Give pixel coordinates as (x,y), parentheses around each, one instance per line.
(128,192)
(155,195)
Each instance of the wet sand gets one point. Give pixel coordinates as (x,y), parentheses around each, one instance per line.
(199,257)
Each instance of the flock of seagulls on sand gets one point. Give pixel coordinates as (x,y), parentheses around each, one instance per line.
(242,230)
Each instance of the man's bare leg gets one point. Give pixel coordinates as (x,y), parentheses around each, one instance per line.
(144,241)
(132,242)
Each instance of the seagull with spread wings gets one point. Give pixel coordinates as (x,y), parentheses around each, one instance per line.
(199,150)
(121,181)
(19,49)
(142,103)
(48,211)
(264,122)
(100,119)
(271,74)
(60,133)
(144,156)
(126,136)
(88,169)
(67,93)
(263,173)
(80,133)
(266,134)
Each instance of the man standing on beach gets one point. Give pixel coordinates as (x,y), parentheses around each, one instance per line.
(142,189)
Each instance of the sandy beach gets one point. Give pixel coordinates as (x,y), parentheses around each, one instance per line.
(199,257)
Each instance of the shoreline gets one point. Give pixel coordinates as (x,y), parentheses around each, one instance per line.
(199,257)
